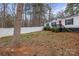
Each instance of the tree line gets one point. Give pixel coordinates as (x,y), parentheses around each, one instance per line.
(33,14)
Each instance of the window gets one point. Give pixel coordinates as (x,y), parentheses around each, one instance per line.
(53,24)
(69,22)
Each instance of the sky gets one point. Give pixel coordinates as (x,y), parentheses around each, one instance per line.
(56,7)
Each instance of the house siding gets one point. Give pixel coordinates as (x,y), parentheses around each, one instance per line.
(75,22)
(74,26)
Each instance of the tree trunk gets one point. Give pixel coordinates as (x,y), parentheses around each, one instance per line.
(3,14)
(49,15)
(17,23)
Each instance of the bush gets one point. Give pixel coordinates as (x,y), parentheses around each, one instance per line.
(55,29)
(47,28)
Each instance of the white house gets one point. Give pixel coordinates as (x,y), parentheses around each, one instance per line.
(71,22)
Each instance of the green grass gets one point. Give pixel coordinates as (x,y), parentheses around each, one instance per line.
(23,37)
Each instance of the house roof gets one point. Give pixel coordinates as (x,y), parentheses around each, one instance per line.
(69,16)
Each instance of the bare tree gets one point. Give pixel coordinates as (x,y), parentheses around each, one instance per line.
(49,14)
(39,11)
(3,14)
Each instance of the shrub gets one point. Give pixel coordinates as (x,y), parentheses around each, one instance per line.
(55,29)
(47,28)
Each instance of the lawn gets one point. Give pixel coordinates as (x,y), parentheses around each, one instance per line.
(44,43)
